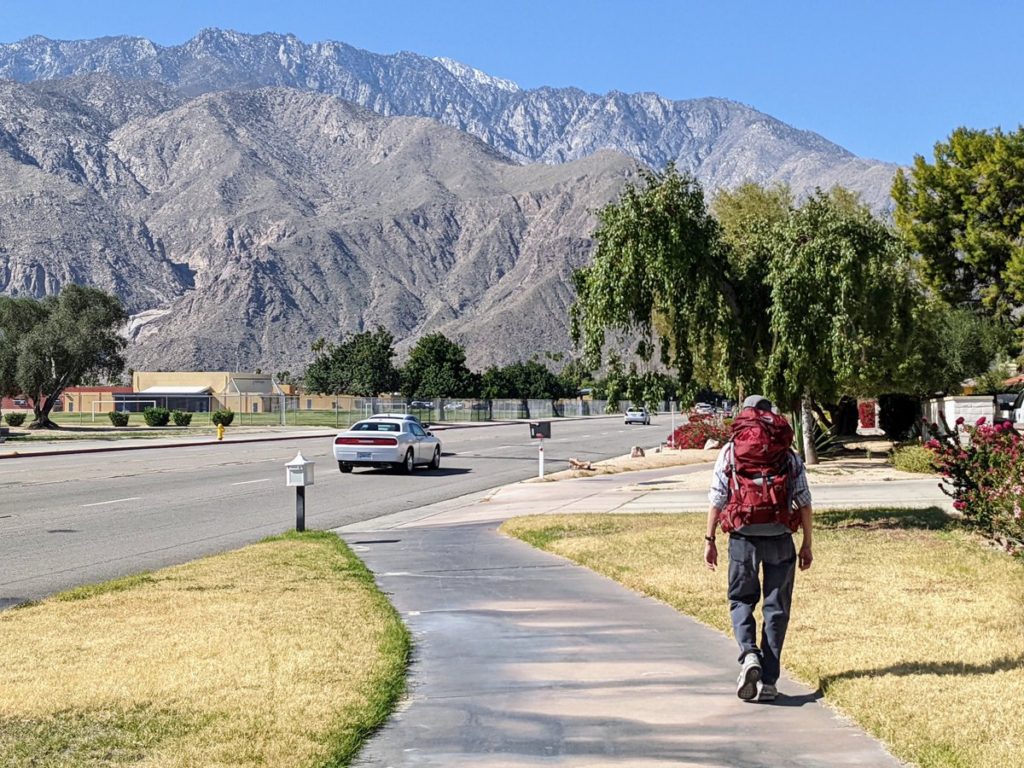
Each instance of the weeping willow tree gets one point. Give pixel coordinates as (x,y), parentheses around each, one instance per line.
(658,275)
(797,302)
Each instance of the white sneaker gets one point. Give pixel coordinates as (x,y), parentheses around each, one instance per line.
(767,692)
(750,676)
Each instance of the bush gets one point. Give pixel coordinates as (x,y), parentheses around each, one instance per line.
(14,419)
(225,417)
(156,417)
(118,419)
(700,429)
(898,415)
(985,477)
(181,418)
(913,457)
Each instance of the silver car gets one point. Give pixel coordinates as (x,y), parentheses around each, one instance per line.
(635,415)
(386,442)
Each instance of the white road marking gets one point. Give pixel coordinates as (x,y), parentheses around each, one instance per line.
(250,482)
(112,501)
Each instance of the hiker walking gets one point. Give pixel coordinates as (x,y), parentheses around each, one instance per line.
(759,496)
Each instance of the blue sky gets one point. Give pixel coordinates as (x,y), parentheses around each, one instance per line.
(884,79)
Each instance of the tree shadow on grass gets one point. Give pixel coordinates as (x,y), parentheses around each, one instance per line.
(883,518)
(1004,664)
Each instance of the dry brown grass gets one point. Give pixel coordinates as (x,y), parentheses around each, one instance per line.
(909,625)
(279,654)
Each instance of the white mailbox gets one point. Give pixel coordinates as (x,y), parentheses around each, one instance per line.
(299,471)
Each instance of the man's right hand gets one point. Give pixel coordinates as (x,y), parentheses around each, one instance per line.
(710,555)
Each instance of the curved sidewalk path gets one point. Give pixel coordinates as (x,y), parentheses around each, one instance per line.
(523,659)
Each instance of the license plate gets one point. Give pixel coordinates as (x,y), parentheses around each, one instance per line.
(363,455)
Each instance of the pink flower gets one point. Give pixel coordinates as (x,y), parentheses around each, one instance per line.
(959,506)
(959,420)
(980,421)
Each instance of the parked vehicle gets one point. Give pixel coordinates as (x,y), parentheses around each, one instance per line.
(704,408)
(409,416)
(454,406)
(1016,409)
(635,415)
(383,441)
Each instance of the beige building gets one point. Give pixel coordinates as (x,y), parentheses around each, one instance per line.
(203,391)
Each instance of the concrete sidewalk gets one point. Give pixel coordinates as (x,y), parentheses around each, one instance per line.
(523,659)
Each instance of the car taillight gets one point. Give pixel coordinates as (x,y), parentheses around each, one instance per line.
(365,441)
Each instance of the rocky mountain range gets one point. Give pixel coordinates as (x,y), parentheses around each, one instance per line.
(239,226)
(246,194)
(723,143)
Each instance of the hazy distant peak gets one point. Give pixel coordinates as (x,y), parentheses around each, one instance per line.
(465,72)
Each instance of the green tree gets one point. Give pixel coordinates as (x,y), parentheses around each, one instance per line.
(657,270)
(575,376)
(57,342)
(360,365)
(437,368)
(842,297)
(749,217)
(527,381)
(800,303)
(964,214)
(948,345)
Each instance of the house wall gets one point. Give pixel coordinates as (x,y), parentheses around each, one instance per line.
(82,400)
(971,407)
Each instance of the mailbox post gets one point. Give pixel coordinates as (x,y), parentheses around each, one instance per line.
(538,431)
(299,473)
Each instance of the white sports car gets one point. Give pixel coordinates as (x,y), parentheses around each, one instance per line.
(383,441)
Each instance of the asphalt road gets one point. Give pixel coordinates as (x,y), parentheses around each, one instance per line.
(78,519)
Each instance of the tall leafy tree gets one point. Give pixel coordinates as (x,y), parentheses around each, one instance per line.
(437,368)
(360,365)
(964,214)
(521,381)
(797,302)
(59,342)
(842,297)
(749,217)
(657,274)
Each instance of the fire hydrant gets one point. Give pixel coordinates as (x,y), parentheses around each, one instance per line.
(220,431)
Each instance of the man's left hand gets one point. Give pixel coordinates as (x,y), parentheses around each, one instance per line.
(806,557)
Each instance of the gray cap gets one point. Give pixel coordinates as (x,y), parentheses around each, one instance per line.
(760,402)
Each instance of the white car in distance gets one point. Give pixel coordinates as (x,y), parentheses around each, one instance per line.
(637,415)
(381,441)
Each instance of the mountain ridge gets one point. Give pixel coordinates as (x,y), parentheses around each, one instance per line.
(722,142)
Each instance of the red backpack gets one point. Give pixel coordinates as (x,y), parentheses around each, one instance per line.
(760,473)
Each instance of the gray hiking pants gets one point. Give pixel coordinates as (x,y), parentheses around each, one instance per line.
(748,557)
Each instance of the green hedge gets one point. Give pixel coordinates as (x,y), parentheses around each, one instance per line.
(118,419)
(156,417)
(181,418)
(913,457)
(225,417)
(14,419)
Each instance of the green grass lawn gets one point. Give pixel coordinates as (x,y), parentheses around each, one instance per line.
(908,623)
(280,654)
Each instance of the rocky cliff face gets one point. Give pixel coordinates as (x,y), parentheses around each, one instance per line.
(247,194)
(241,226)
(723,143)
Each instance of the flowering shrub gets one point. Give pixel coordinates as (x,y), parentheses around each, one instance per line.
(985,476)
(700,429)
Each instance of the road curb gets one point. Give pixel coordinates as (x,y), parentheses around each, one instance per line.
(193,444)
(190,444)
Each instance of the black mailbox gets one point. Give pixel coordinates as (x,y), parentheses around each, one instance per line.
(540,429)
